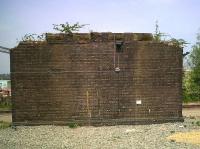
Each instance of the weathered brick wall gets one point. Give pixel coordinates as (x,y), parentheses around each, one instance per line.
(72,78)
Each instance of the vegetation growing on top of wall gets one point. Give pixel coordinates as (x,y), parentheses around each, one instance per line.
(68,28)
(158,36)
(33,37)
(178,42)
(163,37)
(62,28)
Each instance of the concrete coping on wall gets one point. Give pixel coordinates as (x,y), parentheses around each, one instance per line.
(97,37)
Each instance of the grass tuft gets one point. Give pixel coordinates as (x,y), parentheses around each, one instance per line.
(198,123)
(4,125)
(73,125)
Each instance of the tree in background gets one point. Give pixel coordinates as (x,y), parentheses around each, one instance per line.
(4,76)
(191,82)
(191,79)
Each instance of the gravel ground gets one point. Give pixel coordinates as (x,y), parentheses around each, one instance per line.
(106,137)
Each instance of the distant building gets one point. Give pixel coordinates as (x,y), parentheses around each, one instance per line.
(5,84)
(5,87)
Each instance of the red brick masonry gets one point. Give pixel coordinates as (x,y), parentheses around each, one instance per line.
(96,79)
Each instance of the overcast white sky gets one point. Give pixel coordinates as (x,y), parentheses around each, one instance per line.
(179,18)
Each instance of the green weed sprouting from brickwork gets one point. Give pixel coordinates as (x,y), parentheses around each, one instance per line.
(33,37)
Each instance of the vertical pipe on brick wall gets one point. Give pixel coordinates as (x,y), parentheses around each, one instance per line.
(98,103)
(114,51)
(118,60)
(87,97)
(88,110)
(118,100)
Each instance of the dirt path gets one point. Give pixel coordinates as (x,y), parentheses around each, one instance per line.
(6,117)
(191,112)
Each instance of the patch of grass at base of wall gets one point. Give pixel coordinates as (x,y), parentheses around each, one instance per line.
(7,106)
(73,125)
(4,125)
(5,103)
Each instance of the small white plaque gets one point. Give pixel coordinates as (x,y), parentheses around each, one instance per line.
(138,102)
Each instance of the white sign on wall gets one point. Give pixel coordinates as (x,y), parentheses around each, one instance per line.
(138,102)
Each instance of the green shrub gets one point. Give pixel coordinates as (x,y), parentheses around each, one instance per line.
(5,103)
(73,125)
(190,89)
(4,125)
(198,123)
(5,106)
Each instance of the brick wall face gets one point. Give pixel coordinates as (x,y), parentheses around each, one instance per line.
(73,79)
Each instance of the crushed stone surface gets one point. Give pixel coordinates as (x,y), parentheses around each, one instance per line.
(117,137)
